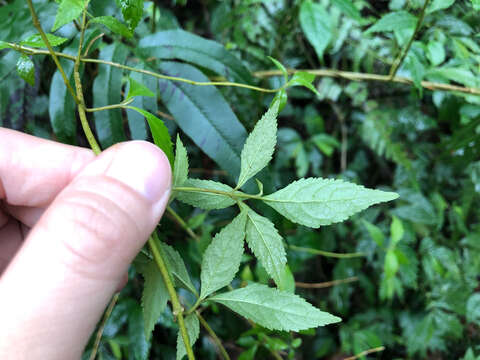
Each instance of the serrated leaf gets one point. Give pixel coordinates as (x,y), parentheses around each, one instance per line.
(260,145)
(204,200)
(107,91)
(37,41)
(26,69)
(180,167)
(222,257)
(114,25)
(191,48)
(315,23)
(315,202)
(138,89)
(193,329)
(274,309)
(280,67)
(398,20)
(68,10)
(132,11)
(177,267)
(160,134)
(267,245)
(154,297)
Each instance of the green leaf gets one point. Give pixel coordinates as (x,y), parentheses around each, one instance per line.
(396,230)
(132,11)
(180,167)
(280,97)
(160,134)
(193,329)
(136,121)
(260,145)
(138,346)
(436,5)
(394,21)
(305,79)
(315,23)
(68,10)
(315,202)
(476,4)
(138,89)
(204,200)
(435,52)
(280,66)
(107,91)
(348,8)
(4,45)
(26,69)
(37,41)
(274,309)
(222,257)
(267,245)
(182,45)
(473,309)
(114,25)
(391,264)
(375,233)
(176,266)
(204,115)
(154,297)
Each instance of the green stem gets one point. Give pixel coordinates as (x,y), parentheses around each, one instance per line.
(233,194)
(214,336)
(326,253)
(122,105)
(183,224)
(50,52)
(347,75)
(177,307)
(399,60)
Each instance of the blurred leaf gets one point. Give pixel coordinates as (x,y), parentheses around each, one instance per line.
(274,309)
(349,9)
(132,11)
(280,67)
(473,308)
(193,329)
(68,10)
(138,345)
(37,41)
(396,230)
(436,5)
(315,23)
(113,24)
(394,21)
(435,52)
(26,69)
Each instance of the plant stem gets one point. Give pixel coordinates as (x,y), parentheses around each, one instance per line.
(183,224)
(214,336)
(122,105)
(347,75)
(98,337)
(326,253)
(233,194)
(177,307)
(366,352)
(52,53)
(399,60)
(325,284)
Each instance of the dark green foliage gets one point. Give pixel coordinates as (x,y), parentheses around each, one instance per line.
(415,287)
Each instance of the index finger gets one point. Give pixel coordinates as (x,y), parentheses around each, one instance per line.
(33,170)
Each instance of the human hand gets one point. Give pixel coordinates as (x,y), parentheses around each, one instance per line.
(70,224)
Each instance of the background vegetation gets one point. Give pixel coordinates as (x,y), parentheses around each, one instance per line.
(396,107)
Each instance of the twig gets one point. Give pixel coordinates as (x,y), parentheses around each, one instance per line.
(214,336)
(165,115)
(399,60)
(177,307)
(326,253)
(98,337)
(183,224)
(348,75)
(91,43)
(50,52)
(366,352)
(325,284)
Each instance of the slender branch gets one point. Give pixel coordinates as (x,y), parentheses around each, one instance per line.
(183,224)
(399,60)
(165,115)
(51,52)
(122,105)
(107,315)
(214,336)
(366,352)
(347,75)
(326,253)
(177,307)
(233,194)
(87,50)
(325,284)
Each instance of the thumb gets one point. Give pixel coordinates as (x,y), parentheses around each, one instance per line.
(56,288)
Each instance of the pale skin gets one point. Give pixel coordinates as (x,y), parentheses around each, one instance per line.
(70,225)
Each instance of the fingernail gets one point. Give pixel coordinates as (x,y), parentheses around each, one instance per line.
(143,167)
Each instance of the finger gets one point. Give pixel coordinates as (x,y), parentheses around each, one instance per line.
(33,170)
(25,214)
(10,241)
(75,257)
